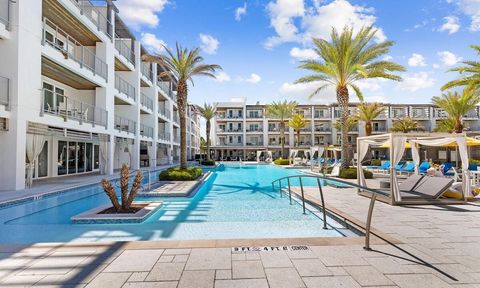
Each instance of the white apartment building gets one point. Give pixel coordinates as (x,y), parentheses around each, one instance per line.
(72,82)
(241,129)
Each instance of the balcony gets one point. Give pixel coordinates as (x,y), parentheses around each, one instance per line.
(439,113)
(233,130)
(162,135)
(176,138)
(146,131)
(146,101)
(95,16)
(125,125)
(420,113)
(323,129)
(253,143)
(72,49)
(322,114)
(70,108)
(254,115)
(276,143)
(164,112)
(124,87)
(306,130)
(124,49)
(303,143)
(5,13)
(176,118)
(235,144)
(146,69)
(5,92)
(165,87)
(379,129)
(472,114)
(253,129)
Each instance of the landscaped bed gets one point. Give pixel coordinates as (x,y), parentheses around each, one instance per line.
(178,174)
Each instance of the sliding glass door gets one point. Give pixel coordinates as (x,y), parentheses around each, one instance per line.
(76,157)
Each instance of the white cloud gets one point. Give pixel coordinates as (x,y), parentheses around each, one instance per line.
(451,24)
(137,13)
(222,77)
(303,54)
(240,11)
(371,85)
(448,58)
(470,8)
(293,22)
(416,60)
(303,90)
(152,43)
(436,66)
(416,81)
(254,78)
(208,43)
(387,58)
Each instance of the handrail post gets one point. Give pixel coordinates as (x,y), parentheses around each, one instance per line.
(280,187)
(369,222)
(273,186)
(323,204)
(303,195)
(289,191)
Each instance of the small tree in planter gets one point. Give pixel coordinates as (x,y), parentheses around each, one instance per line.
(126,197)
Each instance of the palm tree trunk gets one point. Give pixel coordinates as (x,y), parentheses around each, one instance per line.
(458,125)
(282,137)
(298,138)
(208,139)
(368,128)
(342,99)
(182,94)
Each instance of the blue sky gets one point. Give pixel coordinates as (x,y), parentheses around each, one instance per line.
(259,43)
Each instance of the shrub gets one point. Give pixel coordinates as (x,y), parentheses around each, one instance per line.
(376,162)
(281,161)
(208,162)
(351,173)
(474,162)
(177,174)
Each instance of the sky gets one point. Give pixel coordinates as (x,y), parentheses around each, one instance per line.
(260,44)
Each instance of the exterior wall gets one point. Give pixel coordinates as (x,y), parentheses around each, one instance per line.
(24,53)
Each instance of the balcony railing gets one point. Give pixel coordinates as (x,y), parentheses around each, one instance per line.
(72,49)
(164,111)
(175,118)
(165,87)
(176,138)
(125,125)
(125,50)
(124,87)
(236,144)
(162,135)
(147,70)
(235,130)
(319,114)
(254,130)
(146,131)
(254,116)
(439,113)
(5,13)
(323,129)
(471,114)
(5,92)
(260,143)
(69,108)
(146,101)
(276,143)
(95,15)
(303,143)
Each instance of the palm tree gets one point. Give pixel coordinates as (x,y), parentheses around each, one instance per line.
(297,122)
(181,67)
(405,125)
(471,71)
(208,111)
(345,59)
(352,122)
(126,197)
(446,125)
(282,111)
(367,112)
(457,105)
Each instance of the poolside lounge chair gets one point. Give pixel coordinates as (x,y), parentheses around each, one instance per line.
(446,167)
(399,166)
(408,168)
(421,186)
(384,167)
(424,166)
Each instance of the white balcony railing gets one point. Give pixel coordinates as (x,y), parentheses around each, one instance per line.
(124,87)
(5,12)
(147,70)
(125,125)
(5,91)
(71,48)
(162,135)
(146,131)
(124,49)
(95,15)
(146,101)
(70,108)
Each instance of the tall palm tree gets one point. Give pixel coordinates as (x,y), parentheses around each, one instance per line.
(367,112)
(282,111)
(297,122)
(181,66)
(457,105)
(208,111)
(344,60)
(352,122)
(471,72)
(405,125)
(446,125)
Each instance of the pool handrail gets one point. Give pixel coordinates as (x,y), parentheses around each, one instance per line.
(374,192)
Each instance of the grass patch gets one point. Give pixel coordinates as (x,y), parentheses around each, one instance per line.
(351,173)
(281,161)
(177,174)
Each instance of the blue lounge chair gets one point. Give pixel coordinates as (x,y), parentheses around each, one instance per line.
(399,166)
(424,166)
(409,168)
(384,167)
(446,168)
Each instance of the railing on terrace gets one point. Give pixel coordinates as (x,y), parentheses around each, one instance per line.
(230,144)
(254,130)
(69,108)
(124,49)
(471,114)
(176,138)
(255,143)
(124,87)
(254,116)
(5,13)
(165,87)
(417,113)
(439,113)
(146,131)
(72,49)
(147,70)
(162,135)
(5,92)
(95,15)
(323,129)
(176,118)
(318,114)
(164,111)
(125,125)
(277,143)
(146,101)
(235,130)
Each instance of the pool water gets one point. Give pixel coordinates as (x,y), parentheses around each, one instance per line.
(236,202)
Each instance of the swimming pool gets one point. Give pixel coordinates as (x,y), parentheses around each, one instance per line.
(236,202)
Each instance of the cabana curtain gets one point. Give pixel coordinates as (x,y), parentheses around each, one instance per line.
(397,148)
(34,147)
(103,149)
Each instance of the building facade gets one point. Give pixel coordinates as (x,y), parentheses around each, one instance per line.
(76,97)
(240,129)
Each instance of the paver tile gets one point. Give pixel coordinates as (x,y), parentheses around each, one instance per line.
(275,259)
(368,276)
(138,277)
(109,280)
(387,265)
(209,259)
(223,274)
(166,284)
(166,272)
(418,281)
(177,251)
(180,258)
(135,261)
(197,279)
(20,281)
(247,269)
(166,258)
(59,262)
(242,283)
(331,282)
(283,278)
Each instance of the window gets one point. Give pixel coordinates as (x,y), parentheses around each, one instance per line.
(96,157)
(42,164)
(230,139)
(62,158)
(239,139)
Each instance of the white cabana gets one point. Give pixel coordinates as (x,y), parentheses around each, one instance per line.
(320,151)
(397,143)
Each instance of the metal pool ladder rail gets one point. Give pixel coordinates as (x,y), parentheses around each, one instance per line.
(319,177)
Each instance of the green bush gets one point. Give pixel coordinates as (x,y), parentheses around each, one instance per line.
(351,173)
(474,162)
(376,162)
(281,161)
(208,162)
(177,174)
